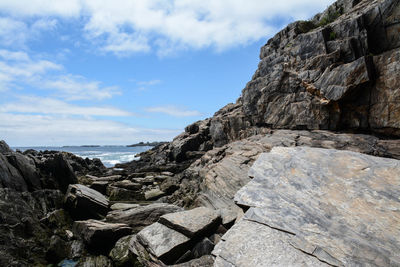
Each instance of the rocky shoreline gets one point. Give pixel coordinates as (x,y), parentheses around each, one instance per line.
(303,170)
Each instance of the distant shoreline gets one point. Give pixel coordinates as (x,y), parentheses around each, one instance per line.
(147,144)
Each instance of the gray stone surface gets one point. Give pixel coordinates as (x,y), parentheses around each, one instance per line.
(163,242)
(342,207)
(250,244)
(193,222)
(85,203)
(204,261)
(123,206)
(142,216)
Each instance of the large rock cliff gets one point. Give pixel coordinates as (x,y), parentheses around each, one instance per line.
(326,92)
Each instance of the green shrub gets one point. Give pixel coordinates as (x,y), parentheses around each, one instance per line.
(305,26)
(331,16)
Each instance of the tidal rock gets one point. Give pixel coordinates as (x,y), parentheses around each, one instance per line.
(100,236)
(193,222)
(121,194)
(85,203)
(142,216)
(4,148)
(60,172)
(120,254)
(163,242)
(27,168)
(202,248)
(10,176)
(100,186)
(95,261)
(338,206)
(127,184)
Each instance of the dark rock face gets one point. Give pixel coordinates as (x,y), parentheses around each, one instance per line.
(4,148)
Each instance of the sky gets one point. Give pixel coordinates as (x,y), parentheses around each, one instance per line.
(117,72)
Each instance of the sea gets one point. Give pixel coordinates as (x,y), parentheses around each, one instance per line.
(109,155)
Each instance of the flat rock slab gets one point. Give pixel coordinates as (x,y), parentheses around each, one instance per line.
(85,203)
(163,242)
(123,206)
(153,194)
(249,244)
(193,222)
(142,216)
(100,235)
(342,207)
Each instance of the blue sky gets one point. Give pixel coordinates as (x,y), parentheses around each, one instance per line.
(118,72)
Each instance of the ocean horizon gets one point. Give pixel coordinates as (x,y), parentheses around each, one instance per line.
(108,154)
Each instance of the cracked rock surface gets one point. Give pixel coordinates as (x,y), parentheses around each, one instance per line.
(340,207)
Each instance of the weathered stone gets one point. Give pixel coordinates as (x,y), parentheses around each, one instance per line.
(99,235)
(59,169)
(120,254)
(250,243)
(26,167)
(204,261)
(4,148)
(345,204)
(123,206)
(142,216)
(10,177)
(163,242)
(126,184)
(202,248)
(193,222)
(100,186)
(85,203)
(153,194)
(121,194)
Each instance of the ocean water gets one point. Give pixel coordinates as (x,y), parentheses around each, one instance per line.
(109,155)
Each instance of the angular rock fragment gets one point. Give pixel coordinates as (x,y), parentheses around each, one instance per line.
(193,222)
(153,194)
(85,203)
(142,216)
(99,235)
(163,242)
(120,254)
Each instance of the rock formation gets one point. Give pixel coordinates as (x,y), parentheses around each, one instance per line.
(302,170)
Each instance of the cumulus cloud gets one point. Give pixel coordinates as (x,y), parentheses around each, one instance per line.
(174,111)
(18,68)
(125,27)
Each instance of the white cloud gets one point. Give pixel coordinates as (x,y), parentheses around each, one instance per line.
(174,111)
(75,87)
(18,67)
(32,104)
(39,130)
(125,27)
